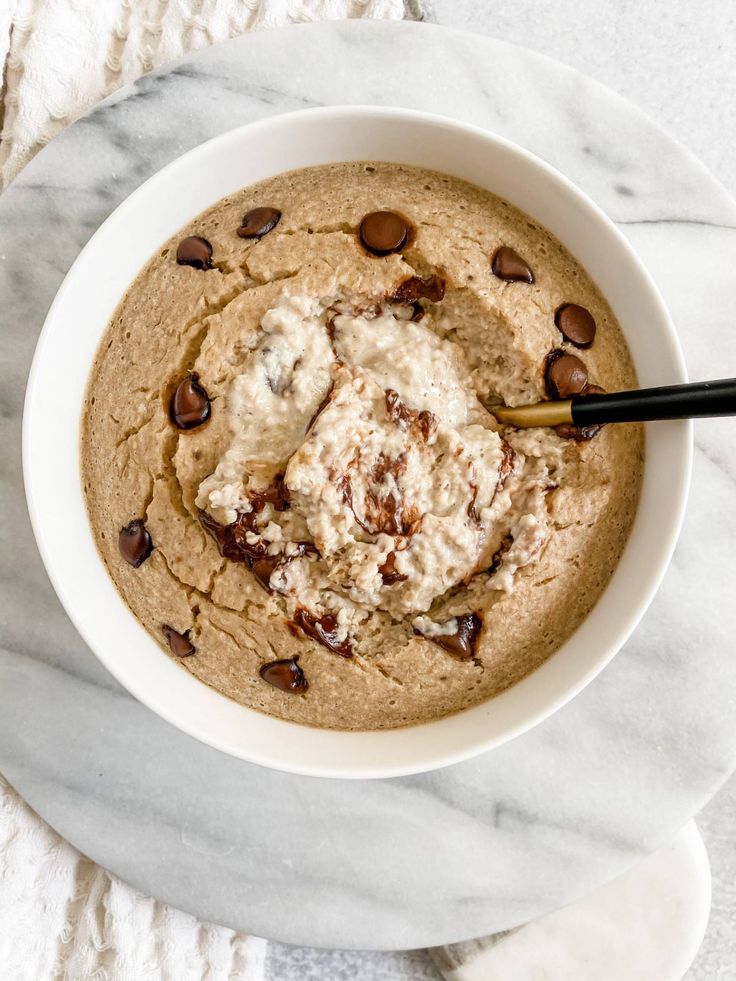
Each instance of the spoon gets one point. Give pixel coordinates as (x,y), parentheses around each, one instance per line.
(696,400)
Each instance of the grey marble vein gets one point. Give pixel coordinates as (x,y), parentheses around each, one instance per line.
(485,844)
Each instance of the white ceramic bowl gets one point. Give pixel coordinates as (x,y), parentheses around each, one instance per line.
(87,299)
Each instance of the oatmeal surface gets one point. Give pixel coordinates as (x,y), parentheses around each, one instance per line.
(291,468)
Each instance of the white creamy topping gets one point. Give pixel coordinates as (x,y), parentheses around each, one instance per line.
(394,471)
(430,628)
(271,403)
(529,535)
(362,482)
(427,372)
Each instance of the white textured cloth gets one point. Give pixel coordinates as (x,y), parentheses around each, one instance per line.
(64,918)
(63,56)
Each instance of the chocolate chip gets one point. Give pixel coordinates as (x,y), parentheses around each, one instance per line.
(285,675)
(135,543)
(328,397)
(508,460)
(565,375)
(506,542)
(508,264)
(180,644)
(263,568)
(259,222)
(423,423)
(472,513)
(194,251)
(412,521)
(388,571)
(462,643)
(576,324)
(323,630)
(415,288)
(240,541)
(581,434)
(190,404)
(232,540)
(383,232)
(382,512)
(277,494)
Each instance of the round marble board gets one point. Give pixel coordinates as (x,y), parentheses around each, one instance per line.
(480,846)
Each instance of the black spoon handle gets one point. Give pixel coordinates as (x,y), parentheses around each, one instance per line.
(699,399)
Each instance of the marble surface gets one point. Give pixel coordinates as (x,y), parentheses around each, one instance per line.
(485,844)
(672,58)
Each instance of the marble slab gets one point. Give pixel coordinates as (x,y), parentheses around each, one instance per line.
(483,845)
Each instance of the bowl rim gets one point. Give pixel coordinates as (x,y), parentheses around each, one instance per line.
(32,413)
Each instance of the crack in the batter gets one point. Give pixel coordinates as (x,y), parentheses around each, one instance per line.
(132,431)
(210,310)
(385,672)
(214,578)
(264,642)
(268,281)
(222,266)
(576,523)
(422,268)
(176,498)
(188,589)
(452,220)
(341,226)
(196,609)
(168,474)
(223,629)
(361,663)
(148,499)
